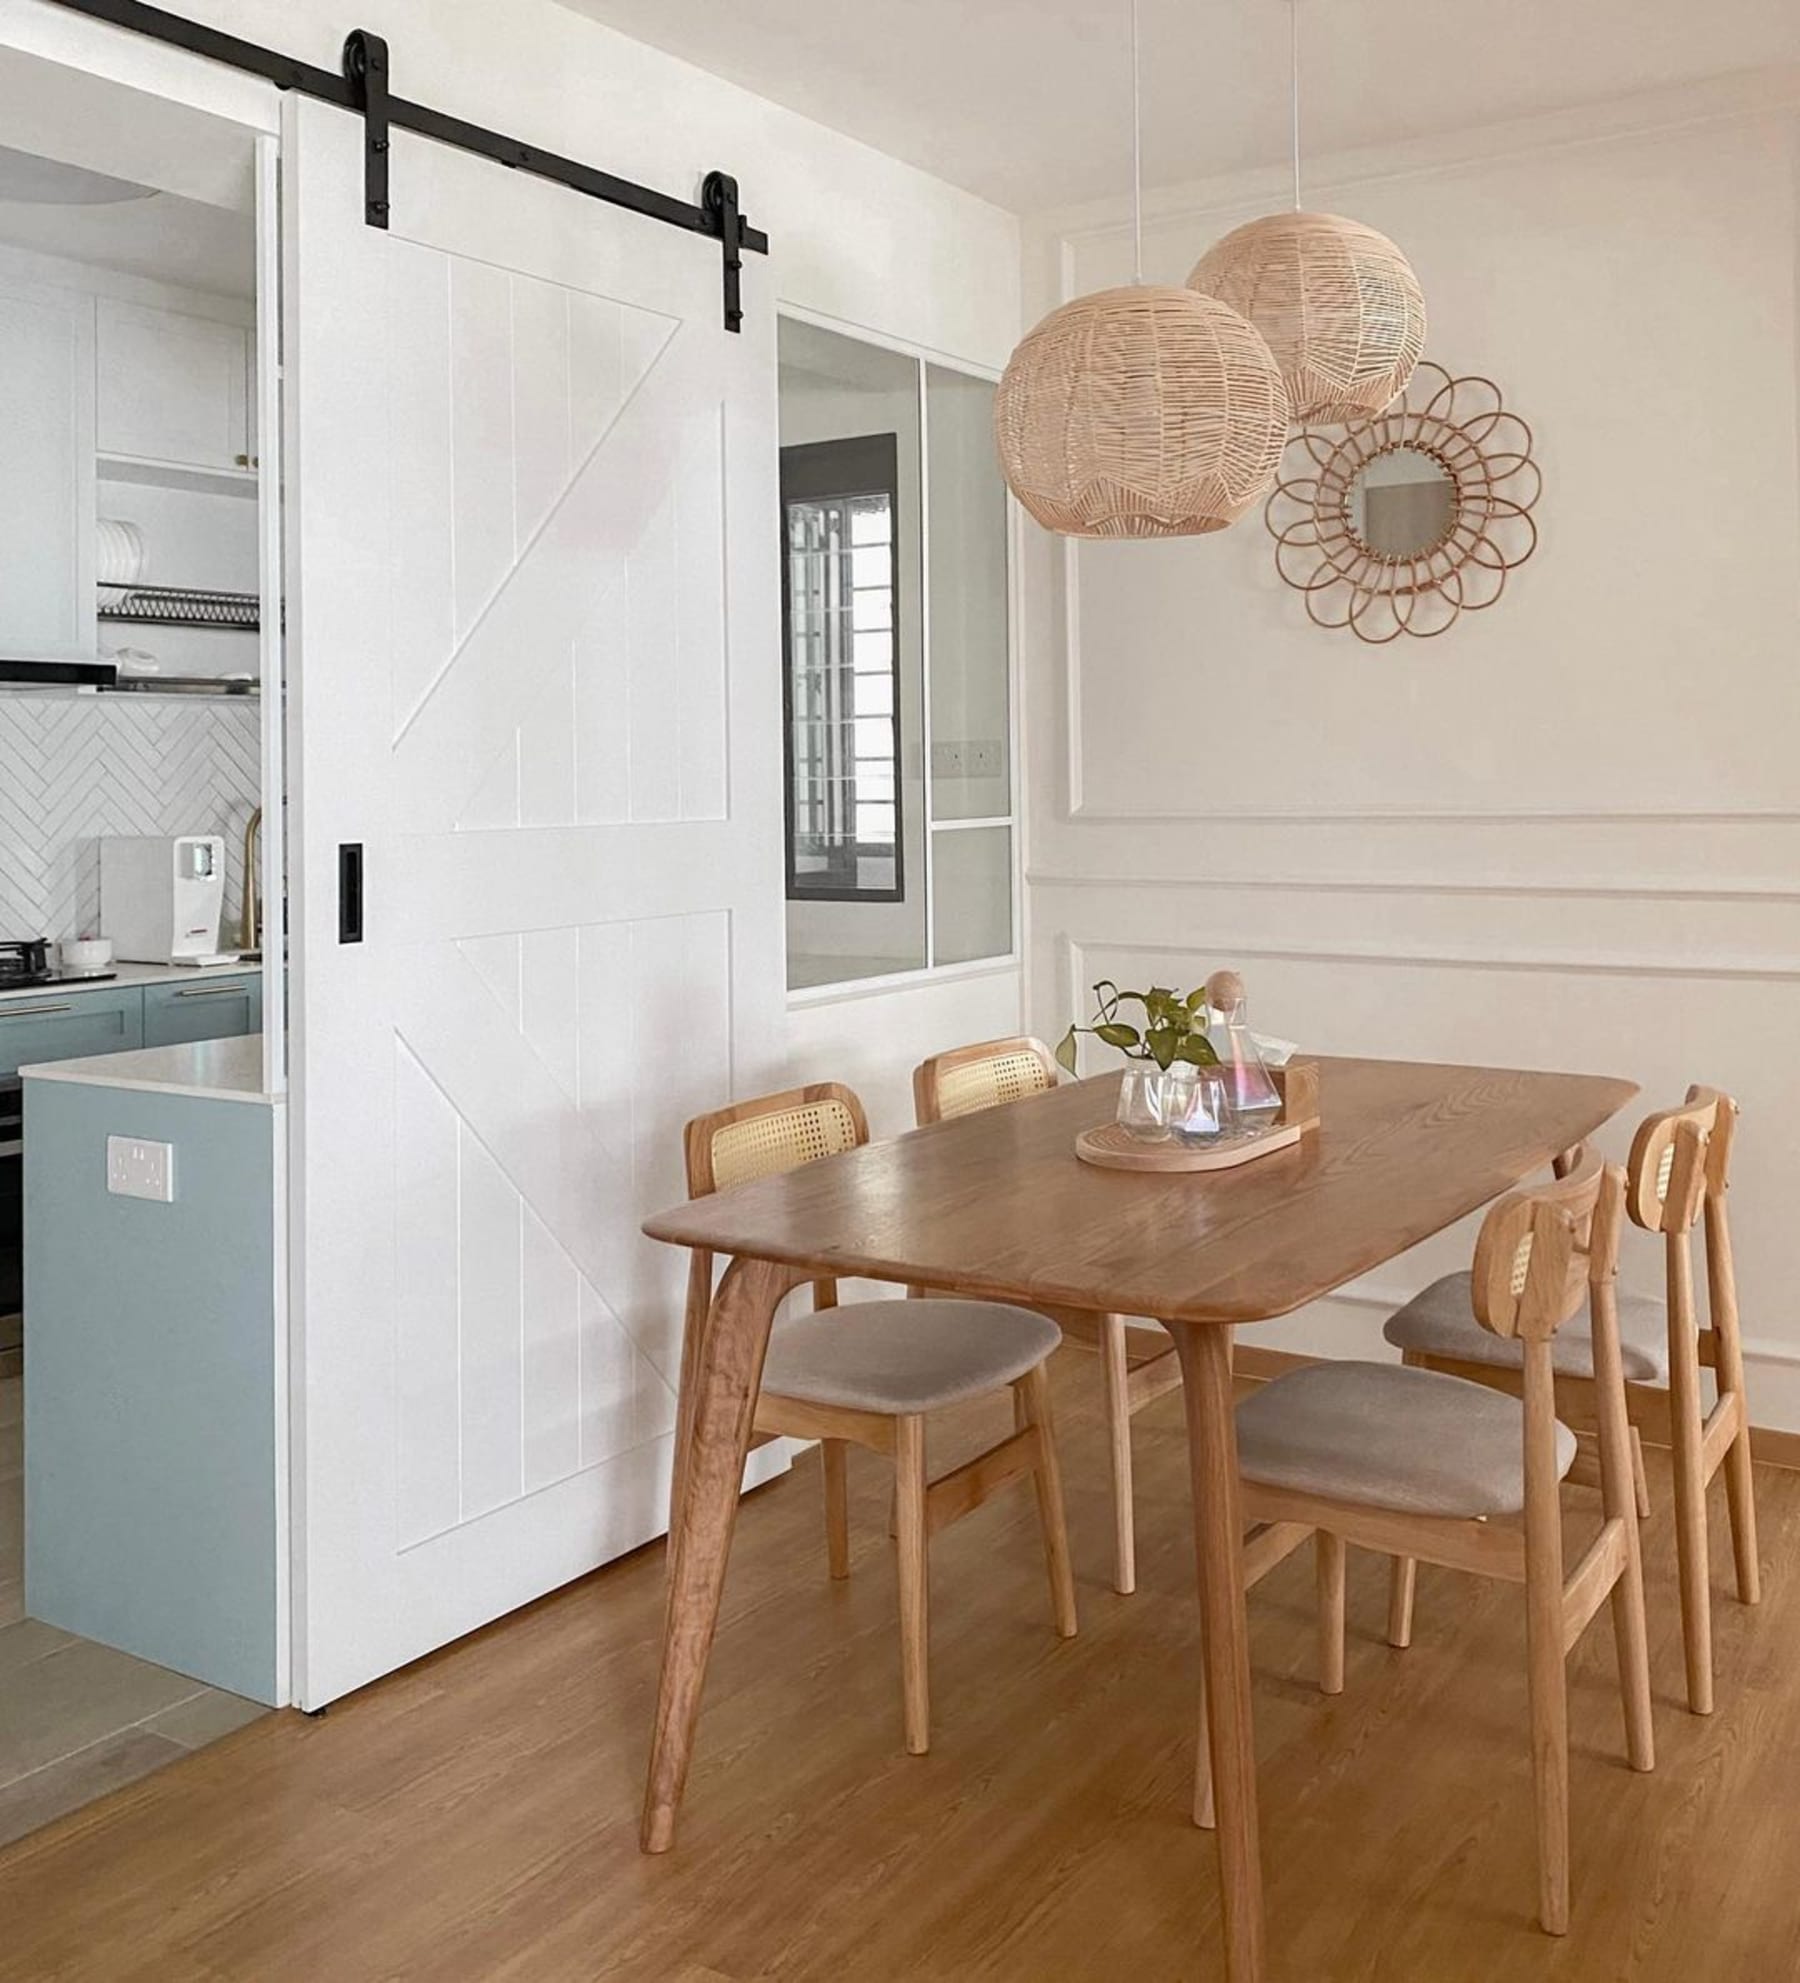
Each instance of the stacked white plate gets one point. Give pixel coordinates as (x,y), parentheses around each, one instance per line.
(119,559)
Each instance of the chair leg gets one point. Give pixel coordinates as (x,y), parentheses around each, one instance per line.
(835,1455)
(1204,1815)
(1118,1423)
(1728,1367)
(1403,1580)
(1403,1577)
(909,1498)
(1031,1407)
(1550,1755)
(1686,1417)
(1639,1479)
(1740,1498)
(1618,1489)
(1329,1563)
(1546,1671)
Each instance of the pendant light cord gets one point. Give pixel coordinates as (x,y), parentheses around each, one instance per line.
(1294,88)
(1137,157)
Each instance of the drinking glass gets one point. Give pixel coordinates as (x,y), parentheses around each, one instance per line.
(1140,1111)
(1207,1113)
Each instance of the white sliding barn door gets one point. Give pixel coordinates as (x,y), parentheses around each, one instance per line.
(532,606)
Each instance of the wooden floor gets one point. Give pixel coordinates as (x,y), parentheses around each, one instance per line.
(476,1815)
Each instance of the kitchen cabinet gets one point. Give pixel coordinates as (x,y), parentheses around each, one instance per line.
(46,470)
(172,388)
(64,1025)
(218,1009)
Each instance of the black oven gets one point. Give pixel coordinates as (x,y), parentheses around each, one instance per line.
(12,1211)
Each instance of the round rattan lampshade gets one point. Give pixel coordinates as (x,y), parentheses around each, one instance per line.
(1140,412)
(1337,303)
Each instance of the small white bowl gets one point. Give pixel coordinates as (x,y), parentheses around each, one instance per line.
(86,953)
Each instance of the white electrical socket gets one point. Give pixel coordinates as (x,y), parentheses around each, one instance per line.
(137,1169)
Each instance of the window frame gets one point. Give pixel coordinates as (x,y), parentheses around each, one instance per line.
(826,471)
(925,359)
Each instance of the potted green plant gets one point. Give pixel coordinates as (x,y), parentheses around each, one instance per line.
(1173,1028)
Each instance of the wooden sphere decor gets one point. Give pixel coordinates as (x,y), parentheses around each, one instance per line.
(1147,411)
(1336,302)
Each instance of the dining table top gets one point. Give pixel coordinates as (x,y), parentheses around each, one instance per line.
(997,1204)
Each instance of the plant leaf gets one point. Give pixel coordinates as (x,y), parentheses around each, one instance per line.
(1164,1044)
(1198,1049)
(1065,1051)
(1117,1035)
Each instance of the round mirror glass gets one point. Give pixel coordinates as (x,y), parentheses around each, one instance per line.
(1402,503)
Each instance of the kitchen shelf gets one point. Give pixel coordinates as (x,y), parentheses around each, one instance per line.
(180,685)
(240,482)
(180,606)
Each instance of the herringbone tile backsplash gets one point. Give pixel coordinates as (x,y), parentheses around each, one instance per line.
(74,768)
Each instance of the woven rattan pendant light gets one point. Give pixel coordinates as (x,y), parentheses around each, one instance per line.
(1337,303)
(1145,411)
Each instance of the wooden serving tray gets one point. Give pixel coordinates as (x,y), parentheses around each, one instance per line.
(1112,1147)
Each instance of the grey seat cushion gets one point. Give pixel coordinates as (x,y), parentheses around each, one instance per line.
(1389,1437)
(905,1356)
(1441,1321)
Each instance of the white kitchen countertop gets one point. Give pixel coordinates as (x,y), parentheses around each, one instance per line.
(127,975)
(211,1070)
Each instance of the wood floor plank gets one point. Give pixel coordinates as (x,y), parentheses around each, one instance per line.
(476,1815)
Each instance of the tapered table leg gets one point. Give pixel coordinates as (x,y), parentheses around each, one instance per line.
(1205,1354)
(723,1377)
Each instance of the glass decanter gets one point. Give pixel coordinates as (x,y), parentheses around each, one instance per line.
(1254,1096)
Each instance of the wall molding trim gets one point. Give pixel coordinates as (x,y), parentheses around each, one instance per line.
(1735,889)
(1083,815)
(1770,969)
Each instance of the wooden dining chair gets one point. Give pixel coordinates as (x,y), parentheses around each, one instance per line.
(1678,1176)
(982,1076)
(870,1372)
(1394,1458)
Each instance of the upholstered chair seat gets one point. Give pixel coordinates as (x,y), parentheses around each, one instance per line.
(1384,1436)
(1440,1321)
(905,1356)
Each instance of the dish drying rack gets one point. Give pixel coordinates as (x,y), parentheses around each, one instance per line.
(180,606)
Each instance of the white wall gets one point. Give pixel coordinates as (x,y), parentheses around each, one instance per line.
(858,238)
(1565,834)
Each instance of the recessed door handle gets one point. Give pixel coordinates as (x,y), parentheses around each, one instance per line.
(350,892)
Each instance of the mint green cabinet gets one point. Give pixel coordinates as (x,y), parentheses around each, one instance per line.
(65,1025)
(210,1009)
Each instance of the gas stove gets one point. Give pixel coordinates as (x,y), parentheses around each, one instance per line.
(26,963)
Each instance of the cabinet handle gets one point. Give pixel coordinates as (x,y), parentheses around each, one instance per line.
(242,460)
(212,991)
(32,1011)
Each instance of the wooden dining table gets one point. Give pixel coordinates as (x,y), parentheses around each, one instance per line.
(997,1204)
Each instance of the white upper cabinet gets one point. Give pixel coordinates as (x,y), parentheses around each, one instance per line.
(173,388)
(46,470)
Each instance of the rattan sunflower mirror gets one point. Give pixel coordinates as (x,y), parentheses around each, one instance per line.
(1400,523)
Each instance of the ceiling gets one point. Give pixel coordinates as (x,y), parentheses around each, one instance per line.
(1027,101)
(164,237)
